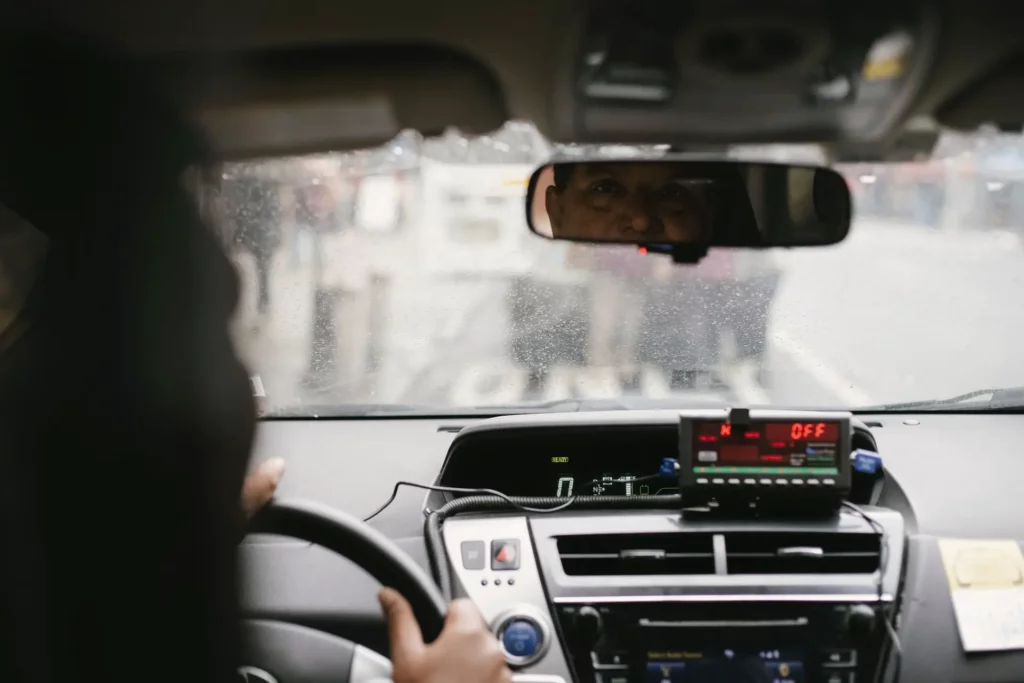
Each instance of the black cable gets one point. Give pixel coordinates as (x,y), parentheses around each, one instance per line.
(564,503)
(883,547)
(455,489)
(897,648)
(883,563)
(492,499)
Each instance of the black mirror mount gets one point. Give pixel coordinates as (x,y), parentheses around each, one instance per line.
(686,254)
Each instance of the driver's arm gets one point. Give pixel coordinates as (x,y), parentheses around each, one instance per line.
(465,652)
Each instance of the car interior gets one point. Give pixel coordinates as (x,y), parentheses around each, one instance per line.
(603,542)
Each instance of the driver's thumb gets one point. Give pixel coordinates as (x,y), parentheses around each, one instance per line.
(406,637)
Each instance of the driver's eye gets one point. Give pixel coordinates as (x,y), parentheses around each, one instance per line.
(674,191)
(606,186)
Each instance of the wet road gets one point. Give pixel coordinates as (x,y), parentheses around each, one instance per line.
(894,313)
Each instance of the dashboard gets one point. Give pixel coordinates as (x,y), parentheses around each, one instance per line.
(572,460)
(930,493)
(535,458)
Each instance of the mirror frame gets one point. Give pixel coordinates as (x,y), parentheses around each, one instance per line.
(690,250)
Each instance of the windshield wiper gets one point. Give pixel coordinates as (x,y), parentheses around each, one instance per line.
(558,405)
(1006,398)
(309,411)
(327,411)
(567,405)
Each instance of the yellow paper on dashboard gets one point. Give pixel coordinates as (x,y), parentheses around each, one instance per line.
(986,583)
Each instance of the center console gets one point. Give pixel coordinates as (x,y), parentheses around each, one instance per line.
(616,595)
(654,642)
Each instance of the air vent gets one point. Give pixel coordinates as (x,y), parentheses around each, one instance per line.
(802,553)
(637,554)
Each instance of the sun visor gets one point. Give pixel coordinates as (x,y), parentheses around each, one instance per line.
(288,105)
(994,99)
(284,128)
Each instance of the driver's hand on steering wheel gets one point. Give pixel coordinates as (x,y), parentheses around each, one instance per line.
(260,485)
(465,652)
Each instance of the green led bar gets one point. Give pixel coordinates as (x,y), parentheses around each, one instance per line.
(766,470)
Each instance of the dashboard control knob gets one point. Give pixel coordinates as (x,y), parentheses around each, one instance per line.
(860,621)
(521,638)
(588,626)
(524,633)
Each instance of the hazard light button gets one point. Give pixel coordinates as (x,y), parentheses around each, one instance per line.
(505,554)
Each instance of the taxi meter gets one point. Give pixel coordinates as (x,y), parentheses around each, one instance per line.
(751,457)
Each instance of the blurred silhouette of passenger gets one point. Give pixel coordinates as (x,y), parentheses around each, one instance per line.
(122,398)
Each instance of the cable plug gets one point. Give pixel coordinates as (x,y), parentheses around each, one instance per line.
(669,468)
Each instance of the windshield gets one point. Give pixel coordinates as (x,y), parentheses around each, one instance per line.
(405,277)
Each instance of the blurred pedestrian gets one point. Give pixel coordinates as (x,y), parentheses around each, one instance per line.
(254,209)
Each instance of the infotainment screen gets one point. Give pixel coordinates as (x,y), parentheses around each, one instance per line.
(763,448)
(721,666)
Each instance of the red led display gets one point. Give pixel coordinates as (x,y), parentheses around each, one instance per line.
(738,455)
(766,447)
(776,433)
(803,431)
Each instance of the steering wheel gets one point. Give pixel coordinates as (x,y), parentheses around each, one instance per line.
(279,652)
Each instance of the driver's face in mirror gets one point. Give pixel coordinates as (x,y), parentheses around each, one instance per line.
(628,202)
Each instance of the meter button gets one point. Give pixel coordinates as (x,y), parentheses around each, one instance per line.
(812,482)
(797,482)
(829,482)
(766,482)
(750,482)
(734,481)
(718,481)
(702,481)
(782,482)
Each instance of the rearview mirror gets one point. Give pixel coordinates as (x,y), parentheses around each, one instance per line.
(689,202)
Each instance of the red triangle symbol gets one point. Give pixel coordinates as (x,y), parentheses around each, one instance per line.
(503,554)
